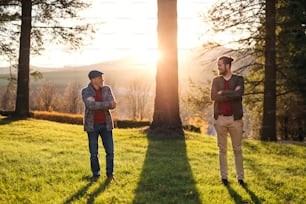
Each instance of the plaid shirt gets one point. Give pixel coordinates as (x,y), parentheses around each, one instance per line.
(91,106)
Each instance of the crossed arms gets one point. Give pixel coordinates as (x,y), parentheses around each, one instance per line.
(220,95)
(103,105)
(107,104)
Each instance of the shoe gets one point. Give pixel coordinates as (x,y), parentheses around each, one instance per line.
(111,179)
(225,182)
(95,178)
(241,182)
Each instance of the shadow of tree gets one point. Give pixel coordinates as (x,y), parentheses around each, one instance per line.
(5,121)
(166,174)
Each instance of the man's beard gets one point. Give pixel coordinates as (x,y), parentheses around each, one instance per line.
(223,73)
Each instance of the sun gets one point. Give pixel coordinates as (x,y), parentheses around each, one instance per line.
(127,28)
(146,57)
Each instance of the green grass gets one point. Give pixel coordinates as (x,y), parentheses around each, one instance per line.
(48,162)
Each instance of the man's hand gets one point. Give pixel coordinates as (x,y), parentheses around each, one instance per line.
(219,92)
(237,88)
(113,104)
(92,99)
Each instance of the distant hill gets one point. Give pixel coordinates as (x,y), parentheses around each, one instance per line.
(197,64)
(118,71)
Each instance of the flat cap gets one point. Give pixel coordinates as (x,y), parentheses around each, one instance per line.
(94,73)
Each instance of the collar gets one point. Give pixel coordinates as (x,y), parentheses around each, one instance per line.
(227,78)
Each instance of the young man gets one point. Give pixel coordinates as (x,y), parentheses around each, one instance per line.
(98,100)
(226,92)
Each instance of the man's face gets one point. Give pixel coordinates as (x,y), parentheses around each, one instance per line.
(222,68)
(99,81)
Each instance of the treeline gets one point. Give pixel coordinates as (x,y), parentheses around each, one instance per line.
(135,101)
(47,97)
(49,101)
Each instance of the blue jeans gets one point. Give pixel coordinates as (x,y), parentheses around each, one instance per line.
(108,144)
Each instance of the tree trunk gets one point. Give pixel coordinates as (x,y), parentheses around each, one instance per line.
(269,112)
(22,101)
(166,117)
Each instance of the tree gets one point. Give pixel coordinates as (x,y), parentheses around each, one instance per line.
(7,51)
(23,82)
(8,95)
(72,100)
(131,97)
(166,116)
(46,96)
(269,105)
(49,23)
(291,56)
(198,101)
(137,96)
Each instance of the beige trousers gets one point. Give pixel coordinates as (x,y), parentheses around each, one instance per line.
(223,126)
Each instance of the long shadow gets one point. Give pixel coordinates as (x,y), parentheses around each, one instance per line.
(83,192)
(238,199)
(80,193)
(98,191)
(166,174)
(257,167)
(254,198)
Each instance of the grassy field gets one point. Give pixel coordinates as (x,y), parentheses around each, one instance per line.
(48,162)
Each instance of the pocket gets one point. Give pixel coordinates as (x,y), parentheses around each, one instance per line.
(215,122)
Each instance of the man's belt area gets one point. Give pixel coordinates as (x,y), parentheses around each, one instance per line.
(226,115)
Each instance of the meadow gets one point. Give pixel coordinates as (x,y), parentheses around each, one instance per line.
(48,162)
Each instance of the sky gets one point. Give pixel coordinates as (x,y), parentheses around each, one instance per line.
(129,29)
